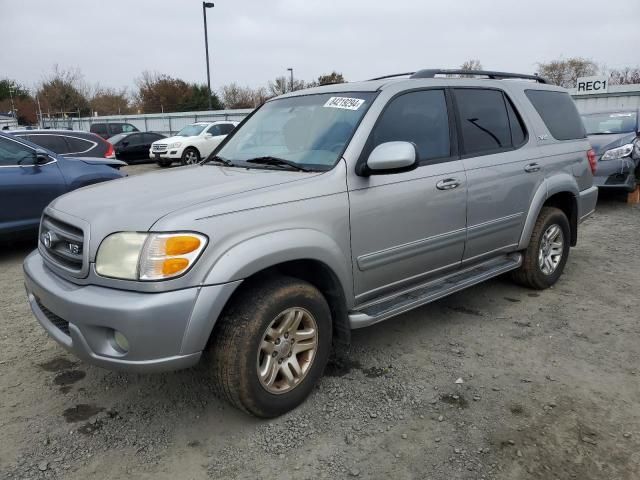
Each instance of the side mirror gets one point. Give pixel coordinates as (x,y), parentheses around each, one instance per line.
(41,157)
(392,157)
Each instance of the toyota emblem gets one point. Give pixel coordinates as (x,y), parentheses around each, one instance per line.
(48,239)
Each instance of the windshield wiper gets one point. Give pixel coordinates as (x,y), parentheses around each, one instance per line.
(219,159)
(278,162)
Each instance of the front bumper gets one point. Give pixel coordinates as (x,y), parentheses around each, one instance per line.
(174,154)
(165,331)
(616,174)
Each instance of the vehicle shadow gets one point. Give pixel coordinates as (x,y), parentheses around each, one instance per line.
(16,247)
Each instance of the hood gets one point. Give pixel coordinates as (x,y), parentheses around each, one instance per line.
(175,138)
(136,203)
(602,143)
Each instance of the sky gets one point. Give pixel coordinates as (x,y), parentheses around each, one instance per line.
(253,41)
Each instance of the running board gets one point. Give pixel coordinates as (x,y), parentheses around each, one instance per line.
(379,310)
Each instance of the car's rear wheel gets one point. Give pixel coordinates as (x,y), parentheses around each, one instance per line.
(190,156)
(548,250)
(271,345)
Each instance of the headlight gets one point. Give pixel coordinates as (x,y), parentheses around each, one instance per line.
(175,145)
(148,256)
(620,152)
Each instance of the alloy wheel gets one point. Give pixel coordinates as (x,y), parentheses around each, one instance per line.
(287,350)
(551,249)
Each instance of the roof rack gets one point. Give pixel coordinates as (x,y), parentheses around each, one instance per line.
(432,72)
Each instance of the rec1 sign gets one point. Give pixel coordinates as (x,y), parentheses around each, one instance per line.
(591,85)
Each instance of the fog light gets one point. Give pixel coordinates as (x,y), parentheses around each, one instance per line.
(121,341)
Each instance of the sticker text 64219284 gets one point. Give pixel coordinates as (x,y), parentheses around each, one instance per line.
(344,102)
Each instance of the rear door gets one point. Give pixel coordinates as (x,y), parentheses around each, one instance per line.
(406,227)
(25,189)
(502,175)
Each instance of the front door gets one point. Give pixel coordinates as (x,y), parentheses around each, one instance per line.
(502,174)
(406,227)
(25,187)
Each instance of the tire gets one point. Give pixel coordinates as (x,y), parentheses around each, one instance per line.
(236,351)
(164,163)
(190,156)
(532,273)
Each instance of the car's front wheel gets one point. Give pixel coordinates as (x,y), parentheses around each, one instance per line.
(190,156)
(271,346)
(548,250)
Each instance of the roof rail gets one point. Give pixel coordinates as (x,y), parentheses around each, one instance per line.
(431,73)
(392,76)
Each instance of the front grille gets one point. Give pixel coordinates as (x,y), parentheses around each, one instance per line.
(159,147)
(60,323)
(63,243)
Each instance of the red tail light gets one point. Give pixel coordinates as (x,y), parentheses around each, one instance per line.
(593,162)
(110,153)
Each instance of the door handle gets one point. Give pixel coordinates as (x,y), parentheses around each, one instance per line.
(532,167)
(448,184)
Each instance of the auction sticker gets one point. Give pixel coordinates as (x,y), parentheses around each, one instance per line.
(344,102)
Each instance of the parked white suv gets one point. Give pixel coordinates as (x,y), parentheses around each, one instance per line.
(191,144)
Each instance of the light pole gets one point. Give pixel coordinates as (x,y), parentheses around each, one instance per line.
(290,70)
(206,5)
(13,107)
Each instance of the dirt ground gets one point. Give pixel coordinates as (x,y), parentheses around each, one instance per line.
(496,382)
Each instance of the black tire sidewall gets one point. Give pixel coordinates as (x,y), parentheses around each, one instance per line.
(255,397)
(557,218)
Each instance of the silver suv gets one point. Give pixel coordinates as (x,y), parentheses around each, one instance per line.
(326,210)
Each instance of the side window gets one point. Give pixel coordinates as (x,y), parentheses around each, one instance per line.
(13,153)
(558,112)
(114,128)
(135,139)
(99,128)
(214,130)
(419,117)
(518,130)
(149,137)
(226,128)
(484,122)
(126,128)
(55,143)
(79,145)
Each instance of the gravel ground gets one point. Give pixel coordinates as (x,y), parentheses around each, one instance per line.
(496,382)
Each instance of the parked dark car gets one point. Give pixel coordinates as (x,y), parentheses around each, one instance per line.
(615,138)
(108,130)
(134,146)
(69,143)
(31,176)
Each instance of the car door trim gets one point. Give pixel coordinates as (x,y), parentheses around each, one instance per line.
(495,225)
(397,253)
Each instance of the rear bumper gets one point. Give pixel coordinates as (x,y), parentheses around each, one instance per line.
(587,200)
(165,331)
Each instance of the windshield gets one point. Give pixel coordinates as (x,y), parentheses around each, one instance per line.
(606,123)
(190,131)
(310,131)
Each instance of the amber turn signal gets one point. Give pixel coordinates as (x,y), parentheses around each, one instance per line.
(181,245)
(174,265)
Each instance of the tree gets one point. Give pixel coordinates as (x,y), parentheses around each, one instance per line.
(282,85)
(158,92)
(625,76)
(63,92)
(473,64)
(331,78)
(199,99)
(235,96)
(22,103)
(108,101)
(566,72)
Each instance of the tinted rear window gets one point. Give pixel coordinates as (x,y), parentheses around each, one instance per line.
(558,112)
(98,128)
(79,145)
(55,143)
